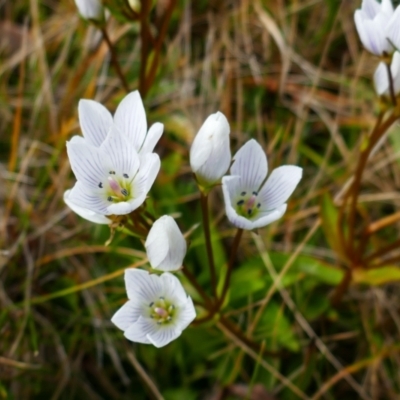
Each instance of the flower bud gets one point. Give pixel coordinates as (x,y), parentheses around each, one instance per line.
(90,9)
(381,77)
(165,245)
(372,22)
(210,154)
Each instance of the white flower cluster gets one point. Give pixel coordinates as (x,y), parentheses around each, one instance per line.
(378,25)
(115,167)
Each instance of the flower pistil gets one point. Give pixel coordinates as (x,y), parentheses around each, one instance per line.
(162,311)
(120,189)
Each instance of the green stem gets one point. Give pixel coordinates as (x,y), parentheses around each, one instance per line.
(382,251)
(379,130)
(207,237)
(192,279)
(391,84)
(342,238)
(157,47)
(144,47)
(341,289)
(114,59)
(235,246)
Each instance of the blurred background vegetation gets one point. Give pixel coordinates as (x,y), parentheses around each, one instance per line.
(291,74)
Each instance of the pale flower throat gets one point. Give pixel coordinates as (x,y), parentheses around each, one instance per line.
(162,311)
(247,205)
(117,188)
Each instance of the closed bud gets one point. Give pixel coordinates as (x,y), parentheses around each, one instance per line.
(210,154)
(381,77)
(91,9)
(372,22)
(165,245)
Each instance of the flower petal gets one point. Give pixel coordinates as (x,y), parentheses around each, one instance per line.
(279,186)
(372,33)
(166,334)
(142,285)
(370,7)
(172,288)
(130,118)
(123,156)
(250,163)
(381,80)
(90,9)
(84,212)
(187,314)
(395,68)
(128,314)
(152,138)
(82,197)
(95,121)
(124,207)
(140,330)
(149,168)
(267,218)
(387,7)
(78,139)
(393,29)
(88,163)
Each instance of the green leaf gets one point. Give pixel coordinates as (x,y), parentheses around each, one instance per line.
(319,269)
(275,327)
(377,276)
(329,218)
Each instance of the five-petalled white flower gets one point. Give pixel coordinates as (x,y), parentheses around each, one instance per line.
(249,202)
(112,178)
(116,186)
(210,154)
(165,245)
(381,77)
(158,309)
(378,26)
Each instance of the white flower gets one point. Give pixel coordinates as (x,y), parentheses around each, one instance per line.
(372,23)
(249,203)
(165,245)
(129,118)
(96,123)
(210,154)
(112,178)
(381,78)
(90,9)
(158,309)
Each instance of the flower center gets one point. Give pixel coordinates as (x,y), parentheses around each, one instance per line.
(162,311)
(247,205)
(117,188)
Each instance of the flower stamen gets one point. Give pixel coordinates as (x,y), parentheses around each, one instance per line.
(248,207)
